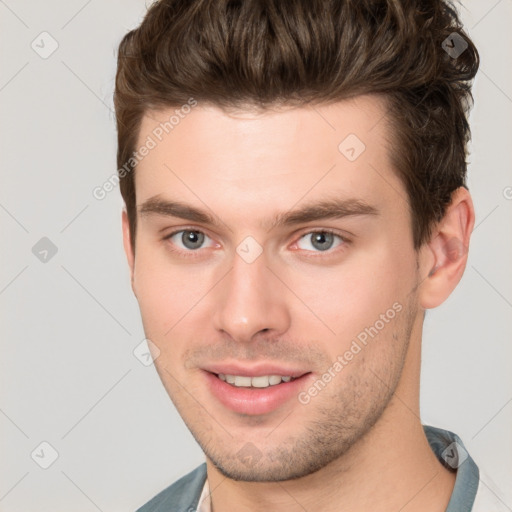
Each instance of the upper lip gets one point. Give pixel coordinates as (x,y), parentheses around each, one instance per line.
(255,370)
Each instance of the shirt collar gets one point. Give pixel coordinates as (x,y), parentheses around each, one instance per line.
(451,452)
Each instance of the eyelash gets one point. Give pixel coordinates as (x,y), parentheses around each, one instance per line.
(197,253)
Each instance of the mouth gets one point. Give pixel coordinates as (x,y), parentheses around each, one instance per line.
(255,394)
(262,381)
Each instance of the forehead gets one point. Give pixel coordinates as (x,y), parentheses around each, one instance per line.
(281,129)
(258,158)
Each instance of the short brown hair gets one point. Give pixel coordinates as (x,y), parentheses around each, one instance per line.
(262,53)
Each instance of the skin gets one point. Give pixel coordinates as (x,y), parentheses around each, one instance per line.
(295,303)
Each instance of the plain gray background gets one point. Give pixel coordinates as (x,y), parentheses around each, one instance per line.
(70,323)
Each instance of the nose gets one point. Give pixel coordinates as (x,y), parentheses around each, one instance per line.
(251,300)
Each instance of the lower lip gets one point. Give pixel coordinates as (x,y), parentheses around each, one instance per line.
(254,401)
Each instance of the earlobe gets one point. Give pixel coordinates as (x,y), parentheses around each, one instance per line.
(128,246)
(445,255)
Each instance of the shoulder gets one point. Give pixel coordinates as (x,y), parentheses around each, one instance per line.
(181,496)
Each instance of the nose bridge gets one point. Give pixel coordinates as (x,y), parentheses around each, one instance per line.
(251,299)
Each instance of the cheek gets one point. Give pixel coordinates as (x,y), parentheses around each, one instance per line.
(165,293)
(351,297)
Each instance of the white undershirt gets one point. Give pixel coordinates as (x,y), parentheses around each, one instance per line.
(204,500)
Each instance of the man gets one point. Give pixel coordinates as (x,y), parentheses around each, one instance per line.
(294,180)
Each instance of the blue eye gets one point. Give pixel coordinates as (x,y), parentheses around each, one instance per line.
(321,240)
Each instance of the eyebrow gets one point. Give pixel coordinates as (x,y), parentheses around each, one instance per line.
(331,208)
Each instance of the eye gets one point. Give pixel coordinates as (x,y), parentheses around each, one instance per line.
(320,241)
(188,239)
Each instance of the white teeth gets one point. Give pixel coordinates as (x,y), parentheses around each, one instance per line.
(262,381)
(242,381)
(275,379)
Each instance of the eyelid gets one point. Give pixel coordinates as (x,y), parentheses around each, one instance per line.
(185,228)
(333,231)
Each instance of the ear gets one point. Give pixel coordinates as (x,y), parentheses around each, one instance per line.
(444,257)
(130,256)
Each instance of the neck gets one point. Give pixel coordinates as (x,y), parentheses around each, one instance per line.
(391,468)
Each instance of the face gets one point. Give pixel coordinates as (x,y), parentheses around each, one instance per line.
(275,245)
